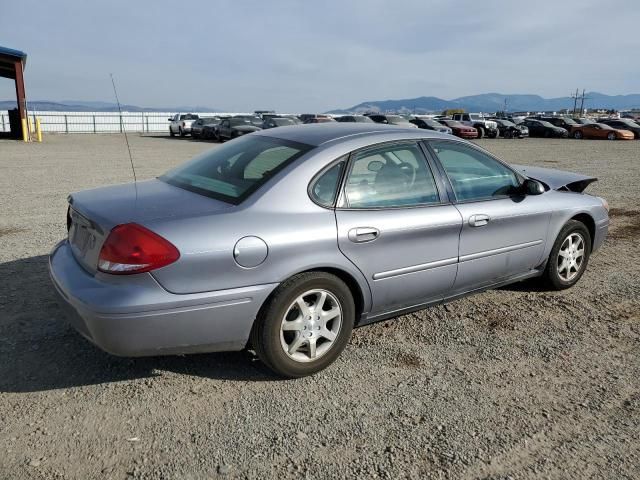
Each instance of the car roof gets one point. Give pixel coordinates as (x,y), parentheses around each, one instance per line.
(321,133)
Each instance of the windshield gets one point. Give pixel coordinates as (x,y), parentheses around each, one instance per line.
(628,122)
(546,124)
(603,126)
(362,119)
(189,116)
(236,122)
(282,122)
(209,121)
(236,169)
(432,123)
(396,119)
(475,116)
(507,123)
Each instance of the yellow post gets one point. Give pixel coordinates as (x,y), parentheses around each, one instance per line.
(25,132)
(38,130)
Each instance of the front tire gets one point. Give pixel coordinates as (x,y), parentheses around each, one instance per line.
(480,132)
(569,256)
(171,134)
(577,135)
(182,134)
(611,136)
(305,325)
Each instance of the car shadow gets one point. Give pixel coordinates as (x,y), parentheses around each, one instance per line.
(40,351)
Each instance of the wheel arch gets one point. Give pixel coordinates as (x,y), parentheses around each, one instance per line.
(361,297)
(588,222)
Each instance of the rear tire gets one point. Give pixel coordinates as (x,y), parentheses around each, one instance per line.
(290,339)
(577,135)
(567,264)
(181,132)
(611,136)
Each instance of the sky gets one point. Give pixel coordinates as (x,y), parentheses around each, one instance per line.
(299,55)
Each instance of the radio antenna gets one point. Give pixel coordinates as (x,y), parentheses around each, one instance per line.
(124,130)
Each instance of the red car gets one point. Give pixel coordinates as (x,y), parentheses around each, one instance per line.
(460,130)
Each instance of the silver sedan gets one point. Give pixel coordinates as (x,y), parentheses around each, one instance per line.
(286,239)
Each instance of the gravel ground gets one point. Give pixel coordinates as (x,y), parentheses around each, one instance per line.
(514,383)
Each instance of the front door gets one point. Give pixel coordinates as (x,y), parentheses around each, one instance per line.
(503,231)
(396,228)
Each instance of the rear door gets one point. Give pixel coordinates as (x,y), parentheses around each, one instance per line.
(395,226)
(503,231)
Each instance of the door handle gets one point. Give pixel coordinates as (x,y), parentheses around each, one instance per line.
(363,234)
(479,220)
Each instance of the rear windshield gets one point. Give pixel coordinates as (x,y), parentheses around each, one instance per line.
(236,169)
(189,116)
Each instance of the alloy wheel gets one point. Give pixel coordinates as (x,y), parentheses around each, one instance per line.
(311,325)
(571,257)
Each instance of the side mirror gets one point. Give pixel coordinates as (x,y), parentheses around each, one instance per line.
(170,119)
(532,187)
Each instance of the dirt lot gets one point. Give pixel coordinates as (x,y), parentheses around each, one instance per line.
(514,383)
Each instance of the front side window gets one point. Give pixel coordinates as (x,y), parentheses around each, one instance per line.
(234,170)
(390,176)
(474,175)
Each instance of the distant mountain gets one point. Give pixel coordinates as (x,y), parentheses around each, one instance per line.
(91,106)
(492,102)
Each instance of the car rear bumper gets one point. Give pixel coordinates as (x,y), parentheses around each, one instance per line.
(134,316)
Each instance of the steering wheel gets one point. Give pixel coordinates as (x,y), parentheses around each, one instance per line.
(409,170)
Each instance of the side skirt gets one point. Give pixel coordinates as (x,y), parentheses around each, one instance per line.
(367,319)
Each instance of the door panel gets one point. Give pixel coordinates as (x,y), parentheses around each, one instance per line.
(503,231)
(396,230)
(511,242)
(413,258)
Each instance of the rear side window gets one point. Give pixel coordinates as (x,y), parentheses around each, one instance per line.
(236,169)
(474,175)
(390,176)
(324,190)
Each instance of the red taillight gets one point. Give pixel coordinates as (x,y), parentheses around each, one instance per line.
(131,248)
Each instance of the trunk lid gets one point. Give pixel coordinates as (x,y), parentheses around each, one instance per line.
(93,213)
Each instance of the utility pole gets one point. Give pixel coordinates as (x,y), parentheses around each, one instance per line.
(575,101)
(582,99)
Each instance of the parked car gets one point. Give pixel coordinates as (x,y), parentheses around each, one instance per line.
(318,120)
(354,118)
(293,118)
(391,120)
(210,130)
(600,130)
(286,239)
(482,124)
(180,123)
(584,121)
(254,120)
(622,124)
(458,129)
(198,126)
(540,128)
(429,124)
(562,122)
(234,127)
(308,116)
(273,122)
(508,129)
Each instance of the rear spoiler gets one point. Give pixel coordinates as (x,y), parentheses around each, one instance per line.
(557,179)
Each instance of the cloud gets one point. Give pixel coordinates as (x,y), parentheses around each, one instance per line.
(312,56)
